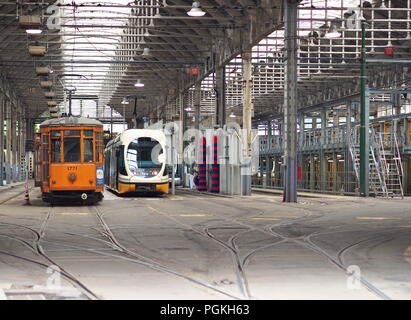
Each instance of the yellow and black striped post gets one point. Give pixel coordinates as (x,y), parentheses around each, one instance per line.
(25,167)
(30,168)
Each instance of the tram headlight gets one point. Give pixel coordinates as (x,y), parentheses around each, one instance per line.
(72,177)
(154,173)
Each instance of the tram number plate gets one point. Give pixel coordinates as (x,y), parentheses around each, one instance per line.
(72,168)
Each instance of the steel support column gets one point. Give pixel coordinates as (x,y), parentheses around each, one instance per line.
(197,105)
(23,138)
(2,160)
(312,172)
(181,136)
(182,123)
(322,158)
(269,163)
(20,154)
(14,143)
(290,101)
(396,103)
(301,118)
(335,172)
(364,122)
(134,113)
(111,122)
(300,144)
(394,127)
(247,115)
(221,97)
(348,163)
(8,142)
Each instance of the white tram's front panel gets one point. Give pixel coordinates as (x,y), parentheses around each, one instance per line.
(139,156)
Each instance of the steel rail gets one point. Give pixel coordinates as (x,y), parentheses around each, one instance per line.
(155,266)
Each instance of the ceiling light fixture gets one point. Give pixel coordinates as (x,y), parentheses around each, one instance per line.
(146,52)
(232,115)
(139,84)
(188,108)
(196,11)
(34,31)
(125,101)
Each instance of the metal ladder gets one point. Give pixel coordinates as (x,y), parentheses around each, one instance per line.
(391,164)
(377,181)
(377,185)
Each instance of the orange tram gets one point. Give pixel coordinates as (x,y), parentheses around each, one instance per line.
(69,160)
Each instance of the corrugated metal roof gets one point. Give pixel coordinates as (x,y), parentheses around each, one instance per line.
(71,121)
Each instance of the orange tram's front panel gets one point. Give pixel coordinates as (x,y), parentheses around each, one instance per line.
(71,163)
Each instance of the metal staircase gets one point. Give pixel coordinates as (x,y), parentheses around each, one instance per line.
(391,163)
(385,167)
(377,182)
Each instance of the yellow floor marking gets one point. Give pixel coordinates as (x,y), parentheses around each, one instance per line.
(407,254)
(405,226)
(191,215)
(378,218)
(71,259)
(74,213)
(275,218)
(266,218)
(288,217)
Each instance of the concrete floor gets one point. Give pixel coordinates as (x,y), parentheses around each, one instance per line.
(200,246)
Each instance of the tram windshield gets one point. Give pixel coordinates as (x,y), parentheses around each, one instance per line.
(143,157)
(71,149)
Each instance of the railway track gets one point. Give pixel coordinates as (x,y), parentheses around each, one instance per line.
(237,262)
(240,262)
(230,246)
(125,254)
(37,249)
(303,241)
(14,196)
(149,262)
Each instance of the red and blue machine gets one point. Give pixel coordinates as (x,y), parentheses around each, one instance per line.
(214,169)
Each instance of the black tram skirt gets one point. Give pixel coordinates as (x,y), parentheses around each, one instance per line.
(72,195)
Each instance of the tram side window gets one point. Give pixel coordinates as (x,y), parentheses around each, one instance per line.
(72,149)
(121,163)
(55,150)
(45,146)
(45,158)
(107,167)
(99,146)
(88,150)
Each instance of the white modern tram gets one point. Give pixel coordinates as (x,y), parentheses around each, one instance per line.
(135,161)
